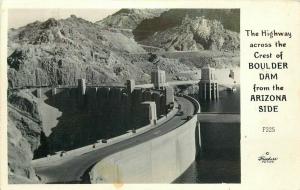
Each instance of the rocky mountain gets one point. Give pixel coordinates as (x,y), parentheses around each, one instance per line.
(58,52)
(229,18)
(61,51)
(195,34)
(179,29)
(129,18)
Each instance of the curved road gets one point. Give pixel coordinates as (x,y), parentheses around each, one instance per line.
(74,170)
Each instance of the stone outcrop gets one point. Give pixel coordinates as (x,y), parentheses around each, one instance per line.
(24,130)
(194,35)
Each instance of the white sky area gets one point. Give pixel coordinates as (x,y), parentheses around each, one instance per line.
(21,17)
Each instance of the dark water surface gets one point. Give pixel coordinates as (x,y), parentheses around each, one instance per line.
(228,102)
(219,159)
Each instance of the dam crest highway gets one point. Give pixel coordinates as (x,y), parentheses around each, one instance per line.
(75,169)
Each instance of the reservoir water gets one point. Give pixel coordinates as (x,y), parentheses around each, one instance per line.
(219,159)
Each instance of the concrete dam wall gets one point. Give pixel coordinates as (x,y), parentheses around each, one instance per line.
(98,113)
(159,160)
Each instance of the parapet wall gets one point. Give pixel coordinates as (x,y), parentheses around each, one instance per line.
(160,160)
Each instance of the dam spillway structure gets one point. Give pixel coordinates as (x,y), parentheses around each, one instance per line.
(208,85)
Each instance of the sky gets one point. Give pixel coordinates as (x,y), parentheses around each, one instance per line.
(21,17)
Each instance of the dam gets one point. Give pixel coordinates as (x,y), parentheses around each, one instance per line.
(157,139)
(160,127)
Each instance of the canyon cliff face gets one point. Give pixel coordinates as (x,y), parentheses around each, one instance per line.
(229,18)
(194,35)
(24,129)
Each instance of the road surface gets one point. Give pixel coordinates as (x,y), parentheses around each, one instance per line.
(74,170)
